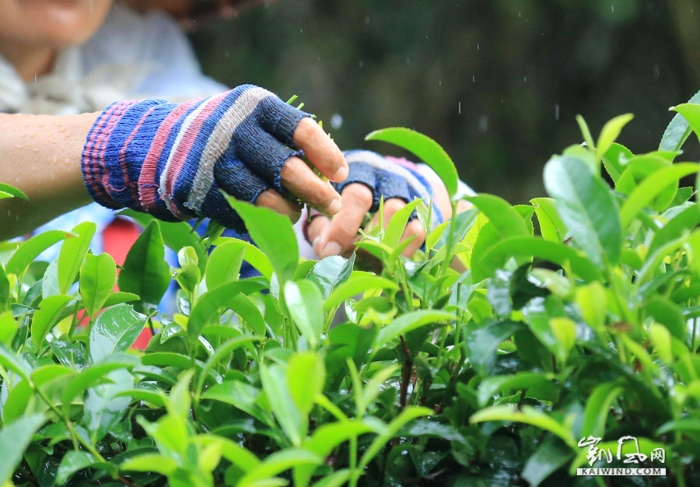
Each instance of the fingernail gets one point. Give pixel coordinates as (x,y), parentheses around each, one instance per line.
(314,243)
(340,174)
(331,248)
(335,206)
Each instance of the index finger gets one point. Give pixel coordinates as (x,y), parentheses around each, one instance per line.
(321,150)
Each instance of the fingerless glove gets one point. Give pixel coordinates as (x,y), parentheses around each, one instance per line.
(171,160)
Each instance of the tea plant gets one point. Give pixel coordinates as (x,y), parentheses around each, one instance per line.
(575,335)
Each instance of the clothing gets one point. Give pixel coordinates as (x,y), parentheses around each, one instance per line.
(132,56)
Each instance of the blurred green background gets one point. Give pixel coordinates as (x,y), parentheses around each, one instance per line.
(497,82)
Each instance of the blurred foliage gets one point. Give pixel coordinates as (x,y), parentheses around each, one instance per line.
(497,82)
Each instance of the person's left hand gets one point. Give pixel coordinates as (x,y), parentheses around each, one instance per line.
(372,177)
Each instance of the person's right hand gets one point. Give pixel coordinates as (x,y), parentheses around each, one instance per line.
(171,160)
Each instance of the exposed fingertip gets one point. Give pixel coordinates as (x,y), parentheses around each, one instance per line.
(335,206)
(341,174)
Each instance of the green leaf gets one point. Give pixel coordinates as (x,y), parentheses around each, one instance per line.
(407,322)
(47,316)
(115,330)
(103,407)
(250,313)
(221,352)
(277,463)
(98,275)
(611,131)
(306,375)
(427,151)
(397,225)
(210,303)
(597,409)
(528,415)
(482,343)
(592,302)
(96,374)
(224,264)
(145,271)
(357,285)
(176,235)
(614,160)
(560,254)
(150,462)
(73,250)
(587,207)
(331,272)
(274,381)
(11,361)
(6,188)
(680,224)
(668,314)
(406,416)
(683,425)
(4,289)
(550,456)
(585,131)
(508,383)
(691,113)
(273,234)
(551,226)
(507,220)
(678,130)
(14,440)
(74,461)
(305,305)
(651,187)
(8,328)
(31,249)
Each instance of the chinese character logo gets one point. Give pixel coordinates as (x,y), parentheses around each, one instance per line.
(594,453)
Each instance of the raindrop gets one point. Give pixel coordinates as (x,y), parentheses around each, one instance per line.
(408,61)
(301,31)
(473,79)
(459,107)
(483,123)
(524,79)
(440,82)
(366,20)
(362,63)
(612,8)
(477,47)
(556,112)
(657,71)
(336,121)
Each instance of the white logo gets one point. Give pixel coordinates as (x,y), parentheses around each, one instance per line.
(596,454)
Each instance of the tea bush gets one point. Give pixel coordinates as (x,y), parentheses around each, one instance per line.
(553,345)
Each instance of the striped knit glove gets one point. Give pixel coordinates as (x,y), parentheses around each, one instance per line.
(388,177)
(170,160)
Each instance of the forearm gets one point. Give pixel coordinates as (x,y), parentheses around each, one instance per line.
(40,155)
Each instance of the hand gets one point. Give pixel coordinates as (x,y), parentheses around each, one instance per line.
(371,178)
(170,160)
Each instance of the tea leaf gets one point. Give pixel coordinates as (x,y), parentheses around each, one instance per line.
(73,251)
(14,439)
(273,234)
(98,275)
(115,330)
(145,272)
(305,304)
(650,187)
(224,264)
(427,151)
(587,207)
(31,249)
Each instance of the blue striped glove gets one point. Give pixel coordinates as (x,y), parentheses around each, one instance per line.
(170,160)
(388,177)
